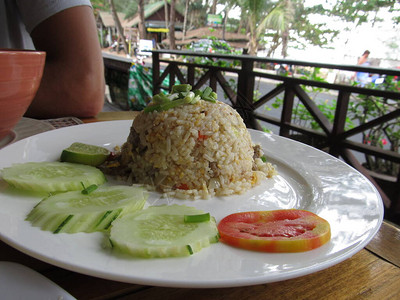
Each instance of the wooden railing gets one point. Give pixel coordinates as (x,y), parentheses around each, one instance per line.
(116,72)
(334,137)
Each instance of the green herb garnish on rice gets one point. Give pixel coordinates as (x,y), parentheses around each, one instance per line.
(181,94)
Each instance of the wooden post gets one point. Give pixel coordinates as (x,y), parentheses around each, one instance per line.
(339,122)
(156,72)
(172,75)
(245,92)
(190,75)
(287,109)
(213,79)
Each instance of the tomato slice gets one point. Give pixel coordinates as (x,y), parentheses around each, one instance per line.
(286,230)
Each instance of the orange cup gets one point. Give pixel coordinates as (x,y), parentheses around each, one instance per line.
(20,75)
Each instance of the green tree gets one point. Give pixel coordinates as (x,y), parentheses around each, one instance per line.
(256,11)
(277,16)
(288,20)
(195,13)
(285,21)
(362,11)
(280,19)
(229,5)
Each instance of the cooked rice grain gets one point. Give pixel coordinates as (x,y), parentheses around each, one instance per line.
(194,151)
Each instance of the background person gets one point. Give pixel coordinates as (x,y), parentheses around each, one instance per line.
(363,77)
(364,58)
(73,78)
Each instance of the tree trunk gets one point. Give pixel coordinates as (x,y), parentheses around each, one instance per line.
(185,19)
(242,22)
(166,18)
(120,30)
(253,45)
(285,41)
(172,26)
(214,7)
(253,42)
(225,21)
(275,43)
(141,26)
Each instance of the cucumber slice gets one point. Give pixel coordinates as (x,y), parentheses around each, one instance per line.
(73,211)
(160,231)
(52,176)
(85,154)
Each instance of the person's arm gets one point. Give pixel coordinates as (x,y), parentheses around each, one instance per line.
(73,78)
(362,60)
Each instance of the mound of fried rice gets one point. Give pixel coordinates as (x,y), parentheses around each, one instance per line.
(193,151)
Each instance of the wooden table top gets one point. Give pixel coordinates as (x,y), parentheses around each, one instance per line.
(372,273)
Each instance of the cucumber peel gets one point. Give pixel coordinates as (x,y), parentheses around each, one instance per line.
(86,154)
(161,231)
(197,218)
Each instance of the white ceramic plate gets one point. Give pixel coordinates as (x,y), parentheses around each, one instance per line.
(20,282)
(308,179)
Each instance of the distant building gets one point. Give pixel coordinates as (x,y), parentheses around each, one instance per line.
(107,28)
(236,40)
(155,24)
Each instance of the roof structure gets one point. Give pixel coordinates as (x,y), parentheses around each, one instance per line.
(149,10)
(108,20)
